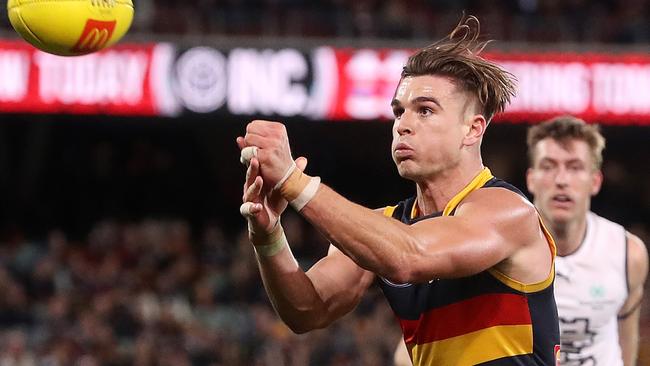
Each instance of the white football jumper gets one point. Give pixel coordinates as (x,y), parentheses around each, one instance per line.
(591,286)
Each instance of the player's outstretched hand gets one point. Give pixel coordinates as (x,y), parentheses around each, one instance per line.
(262,207)
(269,143)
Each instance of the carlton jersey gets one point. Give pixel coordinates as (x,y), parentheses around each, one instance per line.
(591,287)
(485,319)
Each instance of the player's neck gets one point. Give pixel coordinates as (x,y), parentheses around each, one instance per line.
(569,236)
(433,194)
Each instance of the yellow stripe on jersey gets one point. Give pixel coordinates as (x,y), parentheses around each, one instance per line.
(520,286)
(414,209)
(479,181)
(475,347)
(388,211)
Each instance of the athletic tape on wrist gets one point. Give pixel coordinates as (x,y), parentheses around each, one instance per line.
(306,195)
(274,243)
(273,248)
(299,188)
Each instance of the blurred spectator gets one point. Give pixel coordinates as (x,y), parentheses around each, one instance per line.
(15,350)
(146,293)
(610,21)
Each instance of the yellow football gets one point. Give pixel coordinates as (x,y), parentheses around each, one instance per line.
(71,27)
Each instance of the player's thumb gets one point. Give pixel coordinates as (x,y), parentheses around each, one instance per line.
(301,163)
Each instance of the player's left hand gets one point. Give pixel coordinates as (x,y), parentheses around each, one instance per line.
(273,151)
(262,207)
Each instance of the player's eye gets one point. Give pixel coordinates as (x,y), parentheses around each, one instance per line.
(575,167)
(425,111)
(546,166)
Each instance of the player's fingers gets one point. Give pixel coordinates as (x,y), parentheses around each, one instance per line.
(261,127)
(241,143)
(250,209)
(257,140)
(247,153)
(258,184)
(251,172)
(245,209)
(254,190)
(301,163)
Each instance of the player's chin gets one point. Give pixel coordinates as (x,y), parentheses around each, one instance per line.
(561,216)
(407,170)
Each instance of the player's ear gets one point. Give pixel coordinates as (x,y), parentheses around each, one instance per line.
(596,181)
(477,125)
(530,183)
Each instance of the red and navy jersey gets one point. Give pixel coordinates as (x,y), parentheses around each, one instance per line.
(485,319)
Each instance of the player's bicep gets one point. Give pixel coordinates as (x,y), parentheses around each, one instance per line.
(487,229)
(340,282)
(455,248)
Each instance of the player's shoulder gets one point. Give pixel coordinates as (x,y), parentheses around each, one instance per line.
(381,210)
(603,221)
(498,201)
(505,212)
(637,252)
(636,243)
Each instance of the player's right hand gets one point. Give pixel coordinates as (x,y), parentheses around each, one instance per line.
(262,208)
(271,144)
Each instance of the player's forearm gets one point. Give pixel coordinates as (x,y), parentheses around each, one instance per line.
(291,291)
(376,243)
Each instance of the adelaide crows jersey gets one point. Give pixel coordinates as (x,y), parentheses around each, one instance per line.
(485,319)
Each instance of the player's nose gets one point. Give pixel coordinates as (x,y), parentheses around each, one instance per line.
(561,177)
(404,125)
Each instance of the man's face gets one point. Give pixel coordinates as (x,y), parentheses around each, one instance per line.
(429,126)
(563,179)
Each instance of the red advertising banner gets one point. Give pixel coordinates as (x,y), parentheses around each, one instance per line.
(609,88)
(604,88)
(118,81)
(324,83)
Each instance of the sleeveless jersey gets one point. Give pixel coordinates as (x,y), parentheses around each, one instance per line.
(590,288)
(485,319)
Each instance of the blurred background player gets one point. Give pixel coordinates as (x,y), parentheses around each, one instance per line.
(601,268)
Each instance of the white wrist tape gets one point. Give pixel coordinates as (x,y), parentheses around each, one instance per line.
(306,195)
(298,188)
(276,241)
(273,248)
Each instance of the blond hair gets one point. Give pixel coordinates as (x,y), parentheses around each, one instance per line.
(457,56)
(563,129)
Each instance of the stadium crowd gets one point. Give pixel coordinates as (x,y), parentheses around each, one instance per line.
(608,21)
(150,293)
